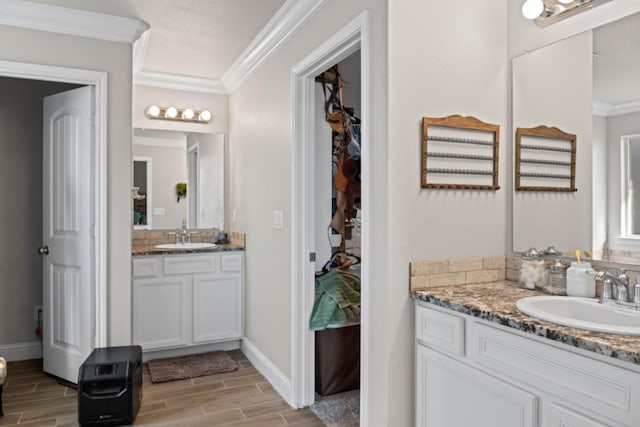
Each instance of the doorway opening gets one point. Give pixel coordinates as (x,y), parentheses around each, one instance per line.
(58,79)
(352,38)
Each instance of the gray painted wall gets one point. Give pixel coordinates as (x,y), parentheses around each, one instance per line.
(21,190)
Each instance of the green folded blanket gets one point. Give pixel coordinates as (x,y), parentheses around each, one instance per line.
(337,300)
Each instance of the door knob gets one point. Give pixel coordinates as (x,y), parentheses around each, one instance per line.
(44,250)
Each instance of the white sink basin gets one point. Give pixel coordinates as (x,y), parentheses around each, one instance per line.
(582,313)
(185,246)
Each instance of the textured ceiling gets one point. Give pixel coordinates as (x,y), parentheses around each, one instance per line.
(199,38)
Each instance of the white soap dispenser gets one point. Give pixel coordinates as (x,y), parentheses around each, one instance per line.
(581,280)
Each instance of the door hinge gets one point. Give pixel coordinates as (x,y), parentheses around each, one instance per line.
(312,256)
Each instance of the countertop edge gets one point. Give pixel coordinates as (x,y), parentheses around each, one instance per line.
(526,324)
(155,251)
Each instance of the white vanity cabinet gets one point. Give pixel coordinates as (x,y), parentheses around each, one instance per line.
(183,300)
(470,372)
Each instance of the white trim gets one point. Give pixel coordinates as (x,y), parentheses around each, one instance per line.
(55,19)
(276,378)
(160,142)
(354,36)
(280,27)
(178,82)
(193,208)
(21,351)
(607,110)
(140,51)
(98,79)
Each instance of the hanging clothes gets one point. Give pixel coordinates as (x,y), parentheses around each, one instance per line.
(345,152)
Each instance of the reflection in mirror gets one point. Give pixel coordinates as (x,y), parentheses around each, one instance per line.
(616,123)
(551,88)
(163,159)
(587,85)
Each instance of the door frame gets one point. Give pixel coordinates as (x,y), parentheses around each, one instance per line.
(193,180)
(98,80)
(351,38)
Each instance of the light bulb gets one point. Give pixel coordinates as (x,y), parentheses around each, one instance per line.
(204,116)
(188,114)
(531,9)
(171,113)
(153,111)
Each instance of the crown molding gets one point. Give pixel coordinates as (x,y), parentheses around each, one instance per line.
(140,51)
(179,82)
(36,16)
(284,23)
(608,110)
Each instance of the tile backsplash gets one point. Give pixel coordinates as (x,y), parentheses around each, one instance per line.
(457,271)
(155,237)
(460,271)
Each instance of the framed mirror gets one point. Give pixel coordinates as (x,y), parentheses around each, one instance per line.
(165,164)
(588,85)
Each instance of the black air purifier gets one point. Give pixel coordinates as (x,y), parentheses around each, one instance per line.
(110,386)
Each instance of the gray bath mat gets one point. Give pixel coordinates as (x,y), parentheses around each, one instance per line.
(197,365)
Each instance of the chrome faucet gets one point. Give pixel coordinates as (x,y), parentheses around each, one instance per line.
(618,290)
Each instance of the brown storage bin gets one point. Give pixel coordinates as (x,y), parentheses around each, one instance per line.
(337,360)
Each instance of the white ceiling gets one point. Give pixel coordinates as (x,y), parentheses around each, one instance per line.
(200,38)
(196,38)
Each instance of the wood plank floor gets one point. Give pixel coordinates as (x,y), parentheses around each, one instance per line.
(239,398)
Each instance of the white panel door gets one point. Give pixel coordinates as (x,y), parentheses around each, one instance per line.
(451,394)
(217,307)
(67,288)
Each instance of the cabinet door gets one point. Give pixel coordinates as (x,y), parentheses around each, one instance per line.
(217,307)
(452,394)
(160,312)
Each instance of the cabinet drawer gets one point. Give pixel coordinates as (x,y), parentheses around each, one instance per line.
(560,416)
(146,267)
(189,264)
(231,262)
(579,380)
(440,330)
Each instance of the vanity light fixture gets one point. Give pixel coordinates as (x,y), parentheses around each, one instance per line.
(545,12)
(177,114)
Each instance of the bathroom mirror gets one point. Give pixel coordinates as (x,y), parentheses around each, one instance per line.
(165,160)
(589,85)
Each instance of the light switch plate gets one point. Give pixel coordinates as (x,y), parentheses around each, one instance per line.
(278,220)
(158,211)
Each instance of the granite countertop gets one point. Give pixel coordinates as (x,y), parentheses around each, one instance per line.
(140,249)
(496,302)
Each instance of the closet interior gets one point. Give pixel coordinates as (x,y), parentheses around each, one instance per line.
(335,316)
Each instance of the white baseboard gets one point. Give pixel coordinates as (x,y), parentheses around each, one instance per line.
(21,351)
(148,355)
(278,380)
